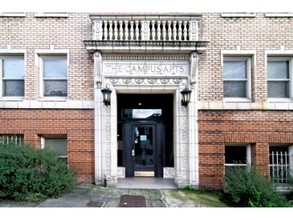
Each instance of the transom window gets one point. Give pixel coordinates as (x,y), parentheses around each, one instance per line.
(279,78)
(54,76)
(12,75)
(236,77)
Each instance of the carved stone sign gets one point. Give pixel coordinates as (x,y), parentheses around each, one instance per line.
(146,67)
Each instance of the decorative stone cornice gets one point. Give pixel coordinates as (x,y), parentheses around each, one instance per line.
(146,46)
(145,57)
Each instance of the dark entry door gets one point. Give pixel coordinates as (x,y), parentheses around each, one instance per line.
(144,145)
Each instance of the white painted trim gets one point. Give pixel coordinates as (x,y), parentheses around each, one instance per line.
(12,53)
(12,14)
(51,14)
(45,104)
(50,52)
(268,105)
(238,52)
(238,15)
(290,149)
(16,52)
(248,59)
(279,15)
(281,55)
(40,54)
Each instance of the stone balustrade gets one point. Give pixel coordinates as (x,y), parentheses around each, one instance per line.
(135,29)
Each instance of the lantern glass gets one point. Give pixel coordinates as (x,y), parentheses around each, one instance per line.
(106,95)
(186,93)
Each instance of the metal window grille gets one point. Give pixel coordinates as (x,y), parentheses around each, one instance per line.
(16,139)
(279,166)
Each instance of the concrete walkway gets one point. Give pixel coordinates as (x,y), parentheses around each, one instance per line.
(98,196)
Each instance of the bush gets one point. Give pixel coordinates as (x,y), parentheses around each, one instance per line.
(249,188)
(31,174)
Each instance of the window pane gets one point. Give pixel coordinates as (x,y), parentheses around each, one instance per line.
(58,145)
(55,67)
(55,88)
(278,69)
(13,87)
(13,68)
(235,70)
(234,89)
(235,154)
(278,89)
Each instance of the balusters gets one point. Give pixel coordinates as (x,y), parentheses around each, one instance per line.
(115,30)
(110,30)
(120,30)
(159,30)
(174,30)
(136,30)
(126,29)
(105,30)
(169,31)
(164,30)
(185,30)
(155,30)
(131,30)
(179,30)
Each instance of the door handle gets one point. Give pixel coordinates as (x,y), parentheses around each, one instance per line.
(133,153)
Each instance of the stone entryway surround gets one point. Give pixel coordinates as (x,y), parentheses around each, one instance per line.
(146,55)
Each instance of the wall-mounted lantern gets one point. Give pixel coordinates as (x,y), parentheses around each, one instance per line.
(106,95)
(185,96)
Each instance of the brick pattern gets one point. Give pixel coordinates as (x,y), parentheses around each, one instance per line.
(78,125)
(258,128)
(258,33)
(32,33)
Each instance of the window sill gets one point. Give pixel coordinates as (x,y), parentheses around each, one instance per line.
(53,99)
(238,15)
(232,100)
(12,14)
(279,15)
(51,15)
(280,100)
(12,98)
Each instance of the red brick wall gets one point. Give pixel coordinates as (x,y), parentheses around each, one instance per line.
(258,128)
(78,125)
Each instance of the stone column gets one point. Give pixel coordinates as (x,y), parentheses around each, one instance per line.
(98,104)
(193,124)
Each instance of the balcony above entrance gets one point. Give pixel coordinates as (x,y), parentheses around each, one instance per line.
(145,33)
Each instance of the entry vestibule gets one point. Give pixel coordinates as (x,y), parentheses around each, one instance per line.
(145,135)
(139,55)
(159,86)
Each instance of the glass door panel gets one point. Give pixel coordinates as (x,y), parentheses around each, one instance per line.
(144,148)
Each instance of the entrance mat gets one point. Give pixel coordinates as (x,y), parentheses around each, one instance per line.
(132,201)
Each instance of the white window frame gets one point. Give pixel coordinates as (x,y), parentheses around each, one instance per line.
(42,79)
(248,61)
(2,57)
(290,60)
(248,156)
(43,143)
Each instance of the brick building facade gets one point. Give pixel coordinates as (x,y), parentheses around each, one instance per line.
(238,67)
